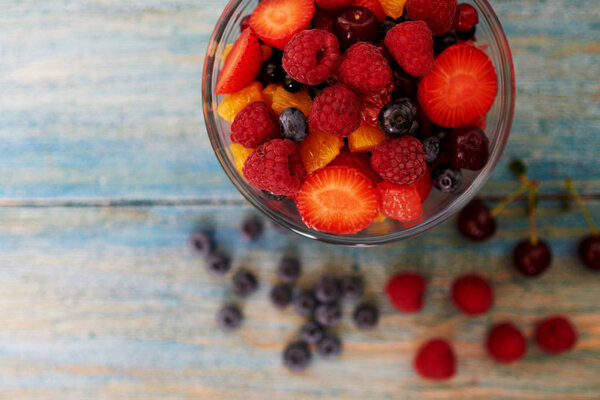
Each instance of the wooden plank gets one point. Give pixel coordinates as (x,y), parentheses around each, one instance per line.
(110,303)
(102,98)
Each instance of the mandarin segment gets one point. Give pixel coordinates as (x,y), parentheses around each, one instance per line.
(319,149)
(365,138)
(232,104)
(240,154)
(393,8)
(279,99)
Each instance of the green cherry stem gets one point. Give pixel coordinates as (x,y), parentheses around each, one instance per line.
(533,237)
(584,210)
(510,198)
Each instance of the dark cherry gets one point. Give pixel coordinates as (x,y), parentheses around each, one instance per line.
(355,24)
(385,27)
(466,17)
(441,43)
(468,35)
(404,84)
(532,259)
(467,147)
(245,22)
(475,221)
(589,252)
(323,19)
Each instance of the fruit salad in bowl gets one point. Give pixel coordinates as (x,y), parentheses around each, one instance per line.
(358,122)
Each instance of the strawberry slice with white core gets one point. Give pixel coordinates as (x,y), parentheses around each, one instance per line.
(276,21)
(241,65)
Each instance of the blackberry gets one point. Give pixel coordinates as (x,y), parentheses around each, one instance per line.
(398,118)
(329,347)
(327,289)
(352,287)
(328,314)
(281,295)
(311,332)
(229,318)
(366,316)
(244,283)
(446,178)
(293,124)
(288,269)
(218,264)
(291,85)
(297,356)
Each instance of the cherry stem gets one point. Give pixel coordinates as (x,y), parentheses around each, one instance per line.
(584,210)
(510,198)
(533,237)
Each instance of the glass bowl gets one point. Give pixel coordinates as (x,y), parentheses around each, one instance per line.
(438,207)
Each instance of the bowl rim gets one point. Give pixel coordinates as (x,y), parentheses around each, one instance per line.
(505,72)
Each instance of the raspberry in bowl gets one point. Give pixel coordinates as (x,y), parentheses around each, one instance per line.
(358,125)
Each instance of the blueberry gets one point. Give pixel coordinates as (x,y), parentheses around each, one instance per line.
(329,347)
(293,125)
(244,283)
(327,289)
(316,90)
(311,332)
(271,71)
(446,178)
(441,132)
(288,269)
(431,145)
(441,43)
(328,314)
(291,85)
(366,316)
(385,27)
(305,303)
(229,318)
(297,356)
(274,197)
(252,228)
(281,295)
(218,264)
(202,243)
(397,118)
(468,35)
(353,287)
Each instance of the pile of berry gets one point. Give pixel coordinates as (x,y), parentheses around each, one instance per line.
(354,109)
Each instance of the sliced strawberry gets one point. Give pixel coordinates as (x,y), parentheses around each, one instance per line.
(460,88)
(402,203)
(241,65)
(359,161)
(337,200)
(276,21)
(373,5)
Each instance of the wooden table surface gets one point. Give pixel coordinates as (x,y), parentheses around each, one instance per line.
(105,169)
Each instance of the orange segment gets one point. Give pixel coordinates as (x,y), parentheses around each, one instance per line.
(240,154)
(227,50)
(393,8)
(232,104)
(365,138)
(279,99)
(318,149)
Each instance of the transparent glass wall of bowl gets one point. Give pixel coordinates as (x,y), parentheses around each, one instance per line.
(437,208)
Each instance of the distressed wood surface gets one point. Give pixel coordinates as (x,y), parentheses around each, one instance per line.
(105,169)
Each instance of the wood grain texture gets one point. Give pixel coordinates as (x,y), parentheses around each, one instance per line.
(102,98)
(109,303)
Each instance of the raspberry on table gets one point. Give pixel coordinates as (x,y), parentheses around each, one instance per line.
(555,334)
(411,45)
(311,56)
(400,161)
(364,69)
(506,343)
(472,294)
(335,111)
(276,166)
(436,360)
(254,125)
(405,291)
(437,14)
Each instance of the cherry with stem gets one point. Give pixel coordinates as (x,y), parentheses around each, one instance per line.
(589,246)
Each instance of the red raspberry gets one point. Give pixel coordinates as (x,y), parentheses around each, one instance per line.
(311,56)
(465,18)
(359,161)
(335,111)
(438,14)
(435,360)
(556,334)
(424,185)
(472,294)
(332,4)
(506,343)
(276,166)
(400,160)
(405,291)
(254,125)
(372,103)
(411,45)
(402,203)
(364,69)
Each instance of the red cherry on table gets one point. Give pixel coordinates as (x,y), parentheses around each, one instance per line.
(532,259)
(589,251)
(476,222)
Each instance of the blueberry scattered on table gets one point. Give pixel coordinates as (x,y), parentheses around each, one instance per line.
(229,318)
(311,332)
(252,228)
(329,347)
(281,295)
(328,314)
(305,303)
(288,269)
(202,243)
(218,263)
(244,282)
(328,289)
(366,316)
(353,286)
(297,356)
